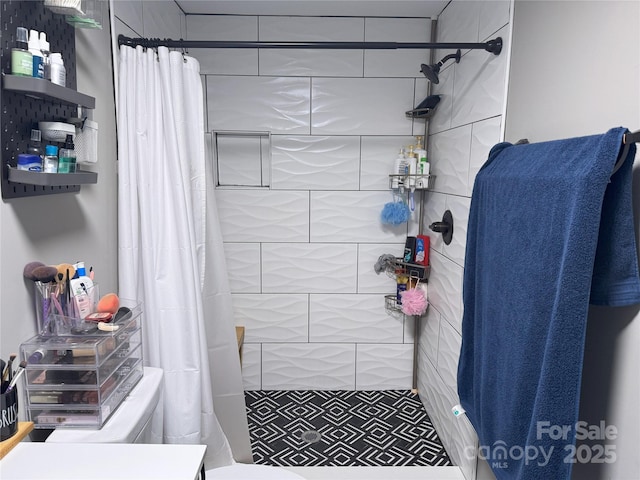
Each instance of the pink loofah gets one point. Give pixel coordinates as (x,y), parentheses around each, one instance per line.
(414,301)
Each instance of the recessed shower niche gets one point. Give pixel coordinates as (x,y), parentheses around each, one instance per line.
(243,159)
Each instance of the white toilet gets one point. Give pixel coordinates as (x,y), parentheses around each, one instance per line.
(139,420)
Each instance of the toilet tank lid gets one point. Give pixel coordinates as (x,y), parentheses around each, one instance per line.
(129,418)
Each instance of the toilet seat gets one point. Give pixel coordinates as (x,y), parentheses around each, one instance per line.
(241,471)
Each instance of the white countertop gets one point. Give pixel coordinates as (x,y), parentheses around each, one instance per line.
(102,461)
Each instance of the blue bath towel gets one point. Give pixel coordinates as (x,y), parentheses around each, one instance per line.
(550,229)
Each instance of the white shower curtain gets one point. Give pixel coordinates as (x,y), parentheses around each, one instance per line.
(170,252)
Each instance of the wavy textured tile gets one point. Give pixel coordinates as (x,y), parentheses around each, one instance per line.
(308,366)
(396,63)
(243,267)
(434,208)
(161,19)
(309,268)
(384,367)
(368,280)
(315,163)
(479,89)
(432,391)
(311,29)
(251,366)
(484,135)
(352,318)
(222,27)
(421,90)
(352,217)
(272,318)
(441,119)
(361,106)
(445,288)
(311,63)
(263,215)
(493,15)
(459,207)
(449,153)
(226,61)
(337,63)
(378,160)
(464,446)
(448,354)
(458,23)
(130,13)
(429,334)
(275,104)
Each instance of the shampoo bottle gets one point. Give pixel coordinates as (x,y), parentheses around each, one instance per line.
(36,54)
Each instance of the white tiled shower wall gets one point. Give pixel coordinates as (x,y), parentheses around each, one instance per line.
(466,125)
(300,254)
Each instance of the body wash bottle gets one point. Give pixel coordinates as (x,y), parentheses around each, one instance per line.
(21,57)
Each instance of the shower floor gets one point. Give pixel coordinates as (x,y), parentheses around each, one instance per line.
(292,428)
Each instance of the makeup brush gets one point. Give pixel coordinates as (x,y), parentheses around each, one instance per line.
(19,372)
(6,376)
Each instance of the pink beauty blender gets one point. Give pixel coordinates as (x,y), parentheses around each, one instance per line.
(414,301)
(109,303)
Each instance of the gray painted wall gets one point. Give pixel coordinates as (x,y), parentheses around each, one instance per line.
(64,227)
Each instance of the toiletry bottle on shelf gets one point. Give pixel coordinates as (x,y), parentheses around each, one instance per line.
(51,159)
(36,54)
(67,157)
(423,165)
(413,167)
(44,48)
(35,144)
(21,57)
(401,168)
(58,72)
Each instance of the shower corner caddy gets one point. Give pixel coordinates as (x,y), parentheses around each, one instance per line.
(416,181)
(412,270)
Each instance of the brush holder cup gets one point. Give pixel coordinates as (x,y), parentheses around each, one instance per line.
(58,313)
(8,412)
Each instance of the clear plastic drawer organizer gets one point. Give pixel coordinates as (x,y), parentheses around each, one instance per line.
(79,380)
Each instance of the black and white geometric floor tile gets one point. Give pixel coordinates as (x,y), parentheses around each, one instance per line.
(342,428)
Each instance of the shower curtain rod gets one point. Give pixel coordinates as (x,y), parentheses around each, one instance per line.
(493,46)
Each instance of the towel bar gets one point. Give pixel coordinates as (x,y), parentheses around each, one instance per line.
(627,140)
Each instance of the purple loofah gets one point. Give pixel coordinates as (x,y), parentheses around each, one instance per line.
(395,213)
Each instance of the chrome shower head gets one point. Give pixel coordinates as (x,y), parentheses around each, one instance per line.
(432,71)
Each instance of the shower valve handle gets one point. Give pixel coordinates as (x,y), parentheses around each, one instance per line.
(439,227)
(445,227)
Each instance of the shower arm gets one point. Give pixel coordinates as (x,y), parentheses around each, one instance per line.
(494,46)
